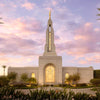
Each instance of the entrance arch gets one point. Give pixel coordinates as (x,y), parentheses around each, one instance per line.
(50,73)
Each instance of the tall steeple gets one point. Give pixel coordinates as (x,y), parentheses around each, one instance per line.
(50,14)
(49,46)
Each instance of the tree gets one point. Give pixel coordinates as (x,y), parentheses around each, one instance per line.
(24,77)
(12,76)
(73,79)
(69,79)
(1,22)
(76,78)
(4,69)
(3,81)
(32,80)
(99,13)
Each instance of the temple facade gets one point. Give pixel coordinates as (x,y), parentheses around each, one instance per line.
(50,69)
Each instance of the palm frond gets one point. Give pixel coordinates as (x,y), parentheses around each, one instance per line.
(98,19)
(98,8)
(1,23)
(98,14)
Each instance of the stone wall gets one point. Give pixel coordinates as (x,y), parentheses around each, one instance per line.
(21,70)
(86,73)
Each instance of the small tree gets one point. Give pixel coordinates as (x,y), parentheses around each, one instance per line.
(32,80)
(24,77)
(69,79)
(76,78)
(73,79)
(3,81)
(12,76)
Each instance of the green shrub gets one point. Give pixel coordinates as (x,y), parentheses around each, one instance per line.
(19,85)
(98,95)
(3,81)
(9,93)
(95,82)
(96,73)
(24,77)
(81,96)
(81,85)
(12,76)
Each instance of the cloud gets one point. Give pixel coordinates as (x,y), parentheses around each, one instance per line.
(54,3)
(29,6)
(19,46)
(85,41)
(22,27)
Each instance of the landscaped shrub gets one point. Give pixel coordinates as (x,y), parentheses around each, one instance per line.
(81,96)
(9,93)
(95,82)
(96,73)
(19,85)
(98,95)
(81,84)
(3,81)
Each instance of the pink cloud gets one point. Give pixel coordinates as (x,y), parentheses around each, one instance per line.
(95,58)
(82,62)
(22,27)
(85,41)
(29,6)
(54,3)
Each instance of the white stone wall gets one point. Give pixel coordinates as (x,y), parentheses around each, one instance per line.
(21,70)
(86,73)
(57,62)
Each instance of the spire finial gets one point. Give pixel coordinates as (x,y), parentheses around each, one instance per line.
(50,14)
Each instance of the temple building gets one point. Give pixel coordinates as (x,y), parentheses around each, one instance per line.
(50,69)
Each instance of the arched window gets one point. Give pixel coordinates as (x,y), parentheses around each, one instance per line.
(66,76)
(33,75)
(50,73)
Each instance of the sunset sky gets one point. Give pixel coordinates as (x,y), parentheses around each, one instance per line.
(22,36)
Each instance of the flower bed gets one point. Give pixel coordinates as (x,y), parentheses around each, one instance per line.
(9,93)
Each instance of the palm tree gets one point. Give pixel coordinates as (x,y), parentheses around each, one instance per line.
(1,22)
(4,69)
(98,14)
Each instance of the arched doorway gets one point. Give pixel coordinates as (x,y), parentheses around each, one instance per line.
(50,73)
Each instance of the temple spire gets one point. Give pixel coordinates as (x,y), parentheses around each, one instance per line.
(50,14)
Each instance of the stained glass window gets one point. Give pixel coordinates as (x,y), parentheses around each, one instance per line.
(50,73)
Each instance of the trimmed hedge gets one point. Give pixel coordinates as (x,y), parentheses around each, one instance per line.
(96,73)
(95,81)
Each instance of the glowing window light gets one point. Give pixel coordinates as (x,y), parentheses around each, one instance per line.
(66,76)
(50,73)
(33,75)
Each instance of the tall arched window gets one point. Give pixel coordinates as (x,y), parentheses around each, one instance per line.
(50,73)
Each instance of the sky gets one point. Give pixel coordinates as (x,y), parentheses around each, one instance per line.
(23,34)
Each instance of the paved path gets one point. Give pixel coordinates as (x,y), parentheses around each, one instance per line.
(84,90)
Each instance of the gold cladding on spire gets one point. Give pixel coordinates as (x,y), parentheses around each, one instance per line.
(50,14)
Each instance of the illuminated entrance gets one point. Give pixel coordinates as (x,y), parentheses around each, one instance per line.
(50,73)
